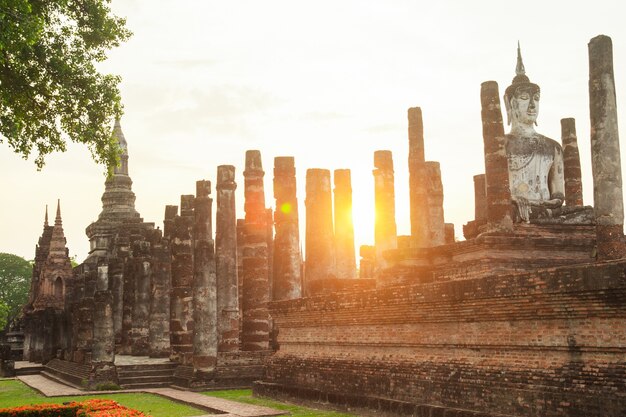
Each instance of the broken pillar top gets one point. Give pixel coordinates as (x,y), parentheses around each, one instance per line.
(226,177)
(186,204)
(342,179)
(170,212)
(601,53)
(203,188)
(416,135)
(383,160)
(317,179)
(284,165)
(254,165)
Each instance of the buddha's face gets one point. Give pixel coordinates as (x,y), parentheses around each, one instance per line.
(525,106)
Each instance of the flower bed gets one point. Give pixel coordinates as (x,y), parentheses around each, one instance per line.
(89,408)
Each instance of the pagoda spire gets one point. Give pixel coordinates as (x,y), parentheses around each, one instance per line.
(57,220)
(45,221)
(57,242)
(118,134)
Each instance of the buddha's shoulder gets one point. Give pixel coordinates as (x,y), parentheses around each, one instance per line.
(537,140)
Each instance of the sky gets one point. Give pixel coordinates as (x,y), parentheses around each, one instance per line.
(328,82)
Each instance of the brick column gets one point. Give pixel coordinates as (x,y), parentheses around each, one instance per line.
(287,282)
(168,222)
(181,308)
(605,151)
(571,163)
(226,260)
(159,326)
(256,291)
(385,236)
(344,227)
(142,272)
(418,192)
(204,282)
(436,228)
(499,204)
(320,251)
(241,237)
(367,264)
(116,283)
(480,198)
(449,228)
(103,348)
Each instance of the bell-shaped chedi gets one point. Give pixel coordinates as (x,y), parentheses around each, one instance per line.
(118,202)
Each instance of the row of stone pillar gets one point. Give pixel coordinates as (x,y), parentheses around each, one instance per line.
(492,191)
(204,314)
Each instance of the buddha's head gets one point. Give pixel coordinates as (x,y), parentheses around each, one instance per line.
(521,98)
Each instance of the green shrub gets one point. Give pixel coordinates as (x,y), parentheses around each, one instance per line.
(107,386)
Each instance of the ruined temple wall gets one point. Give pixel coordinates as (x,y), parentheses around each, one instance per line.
(543,343)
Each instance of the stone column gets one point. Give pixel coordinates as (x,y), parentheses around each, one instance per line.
(168,223)
(141,306)
(368,261)
(385,236)
(605,151)
(344,227)
(226,260)
(499,204)
(204,282)
(571,163)
(435,219)
(128,297)
(480,198)
(116,269)
(241,237)
(418,192)
(269,236)
(103,348)
(287,282)
(320,251)
(181,307)
(449,227)
(256,290)
(159,325)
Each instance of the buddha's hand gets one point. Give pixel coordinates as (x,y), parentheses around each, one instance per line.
(553,203)
(523,207)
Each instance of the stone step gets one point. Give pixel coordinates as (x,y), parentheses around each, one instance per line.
(163,366)
(68,371)
(62,380)
(144,379)
(31,370)
(144,372)
(138,385)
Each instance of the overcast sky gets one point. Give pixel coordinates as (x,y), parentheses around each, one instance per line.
(328,82)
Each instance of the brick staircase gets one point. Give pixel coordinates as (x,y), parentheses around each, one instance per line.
(70,372)
(146,376)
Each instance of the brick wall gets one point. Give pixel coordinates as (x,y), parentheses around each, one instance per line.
(547,343)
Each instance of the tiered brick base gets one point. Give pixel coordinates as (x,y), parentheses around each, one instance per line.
(549,343)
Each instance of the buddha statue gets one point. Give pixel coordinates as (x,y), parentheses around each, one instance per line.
(535,162)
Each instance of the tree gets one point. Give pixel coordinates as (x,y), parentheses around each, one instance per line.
(50,89)
(15,276)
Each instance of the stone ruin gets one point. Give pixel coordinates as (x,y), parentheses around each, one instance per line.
(525,317)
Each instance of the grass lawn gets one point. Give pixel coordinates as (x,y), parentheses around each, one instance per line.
(245,396)
(13,393)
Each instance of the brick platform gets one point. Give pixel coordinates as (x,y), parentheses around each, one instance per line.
(549,342)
